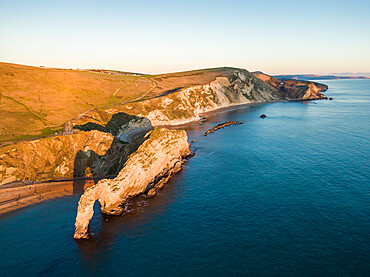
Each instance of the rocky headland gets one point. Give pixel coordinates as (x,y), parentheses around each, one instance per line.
(146,171)
(294,90)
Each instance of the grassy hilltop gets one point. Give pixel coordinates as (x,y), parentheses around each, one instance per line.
(37,101)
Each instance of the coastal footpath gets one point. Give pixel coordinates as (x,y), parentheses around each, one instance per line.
(146,171)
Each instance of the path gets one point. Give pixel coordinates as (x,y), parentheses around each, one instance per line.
(122,103)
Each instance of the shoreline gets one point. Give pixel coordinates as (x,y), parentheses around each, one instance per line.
(220,110)
(17,195)
(14,198)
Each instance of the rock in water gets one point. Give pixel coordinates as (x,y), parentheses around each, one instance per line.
(146,171)
(222,125)
(263,115)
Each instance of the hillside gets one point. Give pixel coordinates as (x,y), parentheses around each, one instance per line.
(117,108)
(36,102)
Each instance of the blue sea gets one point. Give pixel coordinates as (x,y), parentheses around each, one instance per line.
(287,195)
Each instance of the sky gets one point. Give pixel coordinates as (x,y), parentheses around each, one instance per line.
(276,37)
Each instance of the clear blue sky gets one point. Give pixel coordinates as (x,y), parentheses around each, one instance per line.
(164,36)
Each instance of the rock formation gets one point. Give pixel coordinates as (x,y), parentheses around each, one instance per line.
(51,158)
(222,125)
(69,156)
(109,135)
(146,171)
(121,125)
(234,87)
(294,89)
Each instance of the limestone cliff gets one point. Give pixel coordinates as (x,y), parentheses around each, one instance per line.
(146,170)
(294,89)
(182,105)
(49,158)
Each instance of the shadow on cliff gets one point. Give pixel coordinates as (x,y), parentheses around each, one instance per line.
(90,167)
(116,124)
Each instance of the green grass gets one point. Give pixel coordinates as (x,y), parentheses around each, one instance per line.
(43,133)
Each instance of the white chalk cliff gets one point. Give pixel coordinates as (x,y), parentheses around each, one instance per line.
(146,171)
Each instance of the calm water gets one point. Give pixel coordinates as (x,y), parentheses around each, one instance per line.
(284,195)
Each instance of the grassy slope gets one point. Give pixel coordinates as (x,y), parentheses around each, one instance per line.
(35,101)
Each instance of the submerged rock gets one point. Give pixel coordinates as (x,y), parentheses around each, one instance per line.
(146,171)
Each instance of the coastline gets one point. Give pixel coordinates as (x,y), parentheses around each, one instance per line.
(17,196)
(14,196)
(219,110)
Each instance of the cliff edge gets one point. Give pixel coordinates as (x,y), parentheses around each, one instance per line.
(294,89)
(53,157)
(233,86)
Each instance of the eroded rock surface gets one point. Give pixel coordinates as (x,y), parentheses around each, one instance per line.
(121,125)
(146,171)
(186,104)
(294,89)
(53,157)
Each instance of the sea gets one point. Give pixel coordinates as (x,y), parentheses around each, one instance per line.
(285,195)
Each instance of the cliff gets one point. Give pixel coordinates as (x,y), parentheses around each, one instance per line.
(49,158)
(294,89)
(186,104)
(146,171)
(37,102)
(177,98)
(121,125)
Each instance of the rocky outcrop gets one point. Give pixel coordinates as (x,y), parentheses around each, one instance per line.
(51,158)
(121,125)
(65,157)
(294,89)
(146,171)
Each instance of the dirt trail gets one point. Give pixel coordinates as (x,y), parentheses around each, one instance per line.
(122,103)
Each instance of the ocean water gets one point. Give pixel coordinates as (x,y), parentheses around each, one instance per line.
(286,195)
